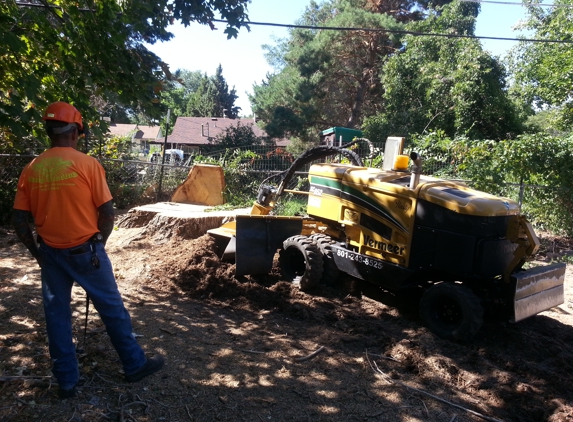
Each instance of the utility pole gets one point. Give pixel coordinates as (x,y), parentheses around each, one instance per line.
(164,149)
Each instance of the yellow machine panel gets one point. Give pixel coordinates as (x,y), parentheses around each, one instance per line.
(375,206)
(464,200)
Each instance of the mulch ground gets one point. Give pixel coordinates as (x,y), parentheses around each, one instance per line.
(257,348)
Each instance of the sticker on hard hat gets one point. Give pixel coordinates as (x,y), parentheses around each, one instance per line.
(50,115)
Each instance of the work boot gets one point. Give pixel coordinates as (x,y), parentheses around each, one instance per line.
(67,394)
(152,365)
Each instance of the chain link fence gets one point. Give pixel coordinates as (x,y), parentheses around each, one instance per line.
(135,182)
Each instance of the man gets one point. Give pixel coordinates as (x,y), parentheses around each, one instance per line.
(67,195)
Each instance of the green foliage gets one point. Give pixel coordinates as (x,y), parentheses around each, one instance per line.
(245,170)
(543,72)
(212,98)
(7,194)
(545,121)
(436,150)
(386,85)
(225,99)
(292,204)
(236,136)
(540,161)
(447,84)
(10,168)
(88,53)
(116,154)
(115,147)
(126,195)
(326,78)
(175,95)
(202,102)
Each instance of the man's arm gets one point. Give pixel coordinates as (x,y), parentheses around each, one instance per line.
(20,220)
(105,220)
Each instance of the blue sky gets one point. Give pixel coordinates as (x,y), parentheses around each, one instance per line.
(199,48)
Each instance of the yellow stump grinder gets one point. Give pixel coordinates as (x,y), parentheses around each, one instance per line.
(396,228)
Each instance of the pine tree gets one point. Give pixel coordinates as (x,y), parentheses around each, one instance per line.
(225,100)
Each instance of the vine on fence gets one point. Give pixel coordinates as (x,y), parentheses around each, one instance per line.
(542,162)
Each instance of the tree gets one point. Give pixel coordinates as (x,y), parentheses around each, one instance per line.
(176,92)
(79,50)
(203,102)
(225,101)
(447,84)
(236,136)
(331,77)
(543,71)
(212,98)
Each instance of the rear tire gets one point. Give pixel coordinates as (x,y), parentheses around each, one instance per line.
(330,271)
(451,311)
(301,262)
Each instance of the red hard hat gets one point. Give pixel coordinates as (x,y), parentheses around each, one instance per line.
(63,112)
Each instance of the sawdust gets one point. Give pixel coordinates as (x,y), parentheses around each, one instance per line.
(233,348)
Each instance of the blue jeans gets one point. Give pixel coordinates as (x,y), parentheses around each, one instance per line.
(60,269)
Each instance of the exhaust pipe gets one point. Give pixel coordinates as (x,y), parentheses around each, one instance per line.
(416,169)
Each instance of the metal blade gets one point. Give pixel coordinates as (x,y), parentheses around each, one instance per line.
(537,290)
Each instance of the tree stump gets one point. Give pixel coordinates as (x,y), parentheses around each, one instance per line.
(163,221)
(204,186)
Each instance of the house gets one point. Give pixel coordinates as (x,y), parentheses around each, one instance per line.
(192,133)
(141,136)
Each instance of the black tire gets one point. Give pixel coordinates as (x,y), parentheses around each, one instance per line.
(451,311)
(330,273)
(301,262)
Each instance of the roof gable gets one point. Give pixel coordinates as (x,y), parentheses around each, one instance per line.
(203,130)
(135,130)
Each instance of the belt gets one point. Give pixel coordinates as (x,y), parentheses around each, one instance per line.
(78,250)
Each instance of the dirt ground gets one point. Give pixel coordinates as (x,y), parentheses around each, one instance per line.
(258,349)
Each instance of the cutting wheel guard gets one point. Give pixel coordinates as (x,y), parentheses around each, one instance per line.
(258,238)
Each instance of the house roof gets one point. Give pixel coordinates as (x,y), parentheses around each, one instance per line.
(201,130)
(139,131)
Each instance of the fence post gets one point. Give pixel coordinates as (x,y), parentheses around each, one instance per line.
(163,160)
(521,191)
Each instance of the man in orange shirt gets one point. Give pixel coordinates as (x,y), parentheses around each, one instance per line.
(66,193)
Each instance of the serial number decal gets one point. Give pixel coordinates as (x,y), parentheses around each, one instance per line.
(361,259)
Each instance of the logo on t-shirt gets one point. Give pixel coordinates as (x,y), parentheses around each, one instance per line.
(51,170)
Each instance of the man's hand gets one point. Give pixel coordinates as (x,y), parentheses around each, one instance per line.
(105,220)
(20,220)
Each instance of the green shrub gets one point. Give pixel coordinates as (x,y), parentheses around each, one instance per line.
(538,162)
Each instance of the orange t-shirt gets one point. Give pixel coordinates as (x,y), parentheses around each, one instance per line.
(63,188)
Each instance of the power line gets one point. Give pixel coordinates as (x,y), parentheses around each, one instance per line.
(402,32)
(390,31)
(517,4)
(48,6)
